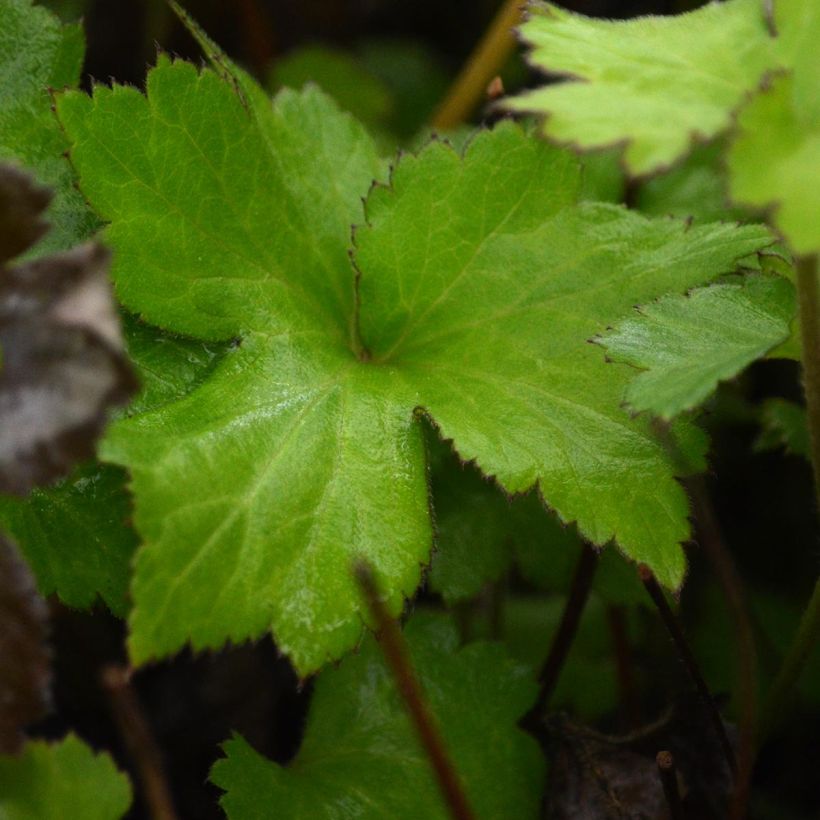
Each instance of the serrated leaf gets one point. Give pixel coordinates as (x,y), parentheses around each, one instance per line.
(784,425)
(480,534)
(75,536)
(360,756)
(301,450)
(24,657)
(66,780)
(686,345)
(38,53)
(492,336)
(774,161)
(655,84)
(63,364)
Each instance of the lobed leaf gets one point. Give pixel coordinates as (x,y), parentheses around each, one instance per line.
(774,160)
(652,84)
(38,53)
(301,450)
(360,756)
(75,536)
(66,780)
(686,345)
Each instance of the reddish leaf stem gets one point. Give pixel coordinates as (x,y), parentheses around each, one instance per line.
(623,666)
(669,779)
(565,634)
(714,546)
(139,741)
(395,652)
(685,653)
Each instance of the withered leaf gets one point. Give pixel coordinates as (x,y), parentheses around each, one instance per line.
(24,657)
(63,360)
(600,777)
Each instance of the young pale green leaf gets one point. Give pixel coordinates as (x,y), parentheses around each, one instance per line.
(75,536)
(38,53)
(301,449)
(66,780)
(654,84)
(774,160)
(686,345)
(361,758)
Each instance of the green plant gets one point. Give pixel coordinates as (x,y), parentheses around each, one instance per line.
(325,339)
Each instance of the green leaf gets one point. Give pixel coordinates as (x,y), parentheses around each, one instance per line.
(686,345)
(75,536)
(38,53)
(301,450)
(774,161)
(360,756)
(588,684)
(492,336)
(341,76)
(65,780)
(784,426)
(654,84)
(169,367)
(694,189)
(480,533)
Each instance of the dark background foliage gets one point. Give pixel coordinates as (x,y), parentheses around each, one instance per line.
(764,501)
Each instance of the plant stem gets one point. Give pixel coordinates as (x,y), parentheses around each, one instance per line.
(669,778)
(711,539)
(679,639)
(570,618)
(808,632)
(793,663)
(139,741)
(395,652)
(482,66)
(626,684)
(808,299)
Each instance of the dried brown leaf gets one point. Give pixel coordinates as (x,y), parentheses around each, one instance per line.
(63,359)
(24,657)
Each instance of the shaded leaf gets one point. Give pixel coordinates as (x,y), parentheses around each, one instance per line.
(697,188)
(63,363)
(38,53)
(686,345)
(65,780)
(360,756)
(76,537)
(480,534)
(24,657)
(341,76)
(784,426)
(654,84)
